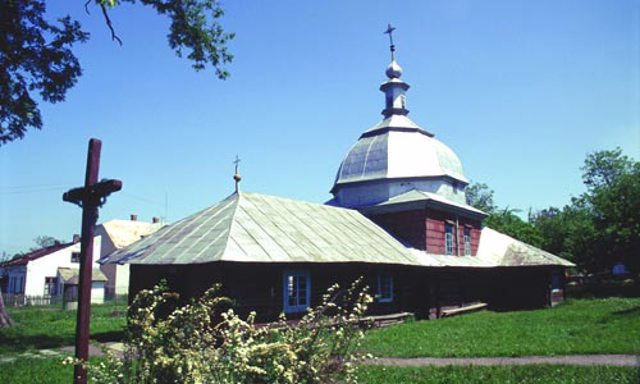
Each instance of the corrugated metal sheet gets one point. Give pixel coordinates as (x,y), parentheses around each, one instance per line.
(249,227)
(418,196)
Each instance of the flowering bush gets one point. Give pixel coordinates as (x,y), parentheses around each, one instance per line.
(201,342)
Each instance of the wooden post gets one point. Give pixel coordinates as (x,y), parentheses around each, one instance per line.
(89,197)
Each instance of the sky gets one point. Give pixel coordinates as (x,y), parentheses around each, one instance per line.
(521,91)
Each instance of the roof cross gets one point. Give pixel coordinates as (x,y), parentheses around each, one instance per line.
(237,176)
(392,47)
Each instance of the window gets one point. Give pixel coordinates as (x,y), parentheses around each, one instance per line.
(297,291)
(75,257)
(50,286)
(467,241)
(448,239)
(385,288)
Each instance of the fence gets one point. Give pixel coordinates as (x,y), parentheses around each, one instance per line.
(19,300)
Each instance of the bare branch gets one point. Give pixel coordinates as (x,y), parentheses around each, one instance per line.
(86,7)
(107,19)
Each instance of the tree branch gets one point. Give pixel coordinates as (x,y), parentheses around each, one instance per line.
(86,7)
(107,19)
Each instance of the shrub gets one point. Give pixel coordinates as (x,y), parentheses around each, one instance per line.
(201,342)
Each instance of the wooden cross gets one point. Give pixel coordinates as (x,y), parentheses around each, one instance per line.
(392,47)
(90,197)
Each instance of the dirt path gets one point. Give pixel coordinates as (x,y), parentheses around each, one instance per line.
(612,360)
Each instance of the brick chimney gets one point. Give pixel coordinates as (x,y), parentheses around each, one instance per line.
(76,238)
(155,220)
(134,217)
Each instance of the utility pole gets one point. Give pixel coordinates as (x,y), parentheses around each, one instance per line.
(89,197)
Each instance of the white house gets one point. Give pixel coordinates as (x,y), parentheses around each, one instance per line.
(35,274)
(117,234)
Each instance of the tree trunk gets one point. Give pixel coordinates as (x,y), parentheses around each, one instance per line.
(5,319)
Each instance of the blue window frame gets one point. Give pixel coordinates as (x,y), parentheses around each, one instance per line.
(448,239)
(385,288)
(296,291)
(467,242)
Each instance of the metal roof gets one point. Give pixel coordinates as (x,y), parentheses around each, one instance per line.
(495,250)
(398,153)
(417,199)
(248,227)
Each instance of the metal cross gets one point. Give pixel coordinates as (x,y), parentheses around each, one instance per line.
(392,47)
(237,176)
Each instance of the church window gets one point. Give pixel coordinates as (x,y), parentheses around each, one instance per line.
(448,239)
(297,291)
(467,242)
(385,288)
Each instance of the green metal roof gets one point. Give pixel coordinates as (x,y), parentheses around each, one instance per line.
(249,227)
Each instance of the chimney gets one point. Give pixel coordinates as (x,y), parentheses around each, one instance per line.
(76,238)
(134,217)
(155,220)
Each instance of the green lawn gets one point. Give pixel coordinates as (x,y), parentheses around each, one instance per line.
(531,374)
(49,326)
(595,326)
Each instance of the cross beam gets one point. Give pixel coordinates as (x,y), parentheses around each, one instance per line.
(89,197)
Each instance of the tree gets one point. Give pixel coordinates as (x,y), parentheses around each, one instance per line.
(602,169)
(480,196)
(36,56)
(44,241)
(5,319)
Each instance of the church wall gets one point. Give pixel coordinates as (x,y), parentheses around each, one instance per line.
(259,286)
(435,232)
(408,226)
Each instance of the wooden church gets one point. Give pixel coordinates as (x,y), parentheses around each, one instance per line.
(398,217)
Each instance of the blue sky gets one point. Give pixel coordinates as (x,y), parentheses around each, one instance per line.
(521,91)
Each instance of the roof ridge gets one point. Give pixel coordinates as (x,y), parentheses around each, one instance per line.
(239,195)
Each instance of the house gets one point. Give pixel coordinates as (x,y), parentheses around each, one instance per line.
(117,234)
(398,217)
(69,281)
(33,277)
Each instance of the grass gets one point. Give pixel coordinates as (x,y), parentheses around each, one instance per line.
(596,326)
(51,371)
(50,327)
(532,374)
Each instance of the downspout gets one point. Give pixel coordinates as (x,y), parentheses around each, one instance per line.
(457,237)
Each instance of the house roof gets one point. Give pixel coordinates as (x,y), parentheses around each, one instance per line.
(415,199)
(495,250)
(125,232)
(71,276)
(248,227)
(33,255)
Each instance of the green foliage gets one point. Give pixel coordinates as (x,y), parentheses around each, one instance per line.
(36,55)
(531,374)
(203,343)
(480,196)
(596,326)
(595,230)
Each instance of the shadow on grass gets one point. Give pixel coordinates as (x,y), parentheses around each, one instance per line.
(635,311)
(22,343)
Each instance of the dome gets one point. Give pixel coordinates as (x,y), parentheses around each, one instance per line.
(396,156)
(402,153)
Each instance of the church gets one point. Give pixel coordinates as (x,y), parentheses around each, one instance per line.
(398,218)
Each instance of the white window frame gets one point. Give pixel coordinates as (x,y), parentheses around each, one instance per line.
(448,239)
(467,241)
(384,297)
(297,276)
